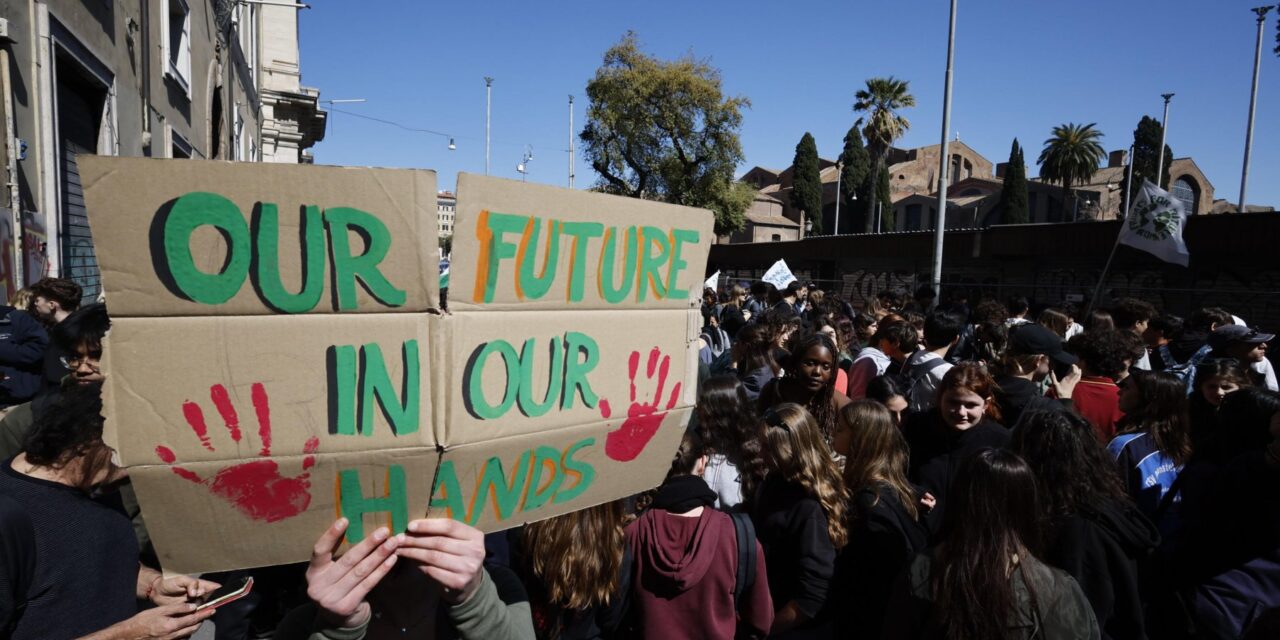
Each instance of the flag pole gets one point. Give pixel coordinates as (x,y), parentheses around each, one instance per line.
(1128,196)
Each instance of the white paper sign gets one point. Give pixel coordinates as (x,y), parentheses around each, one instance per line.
(779,275)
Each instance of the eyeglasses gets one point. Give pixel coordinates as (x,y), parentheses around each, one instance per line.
(73,363)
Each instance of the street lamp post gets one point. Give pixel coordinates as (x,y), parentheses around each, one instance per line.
(1164,131)
(571,141)
(839,177)
(488,111)
(940,224)
(1253,104)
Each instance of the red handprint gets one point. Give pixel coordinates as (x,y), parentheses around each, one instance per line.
(255,488)
(643,418)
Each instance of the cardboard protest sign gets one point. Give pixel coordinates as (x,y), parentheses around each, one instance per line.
(252,239)
(255,401)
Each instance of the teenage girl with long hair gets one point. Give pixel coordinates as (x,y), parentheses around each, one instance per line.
(753,359)
(984,579)
(574,569)
(1092,530)
(810,381)
(799,515)
(964,420)
(884,530)
(1214,381)
(732,434)
(1153,441)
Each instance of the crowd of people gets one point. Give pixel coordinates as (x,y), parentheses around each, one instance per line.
(918,468)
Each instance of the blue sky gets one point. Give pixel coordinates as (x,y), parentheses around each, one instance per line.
(1022,66)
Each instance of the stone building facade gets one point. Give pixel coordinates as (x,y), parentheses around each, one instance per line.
(160,79)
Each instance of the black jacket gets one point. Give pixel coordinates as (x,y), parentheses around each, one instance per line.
(1101,547)
(22,345)
(937,450)
(799,556)
(883,537)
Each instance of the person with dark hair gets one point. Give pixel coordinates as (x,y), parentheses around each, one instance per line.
(53,299)
(753,358)
(758,303)
(86,576)
(922,300)
(893,341)
(1160,333)
(79,336)
(984,580)
(810,381)
(1055,321)
(1092,529)
(1019,308)
(1225,562)
(865,326)
(965,420)
(732,313)
(799,515)
(686,561)
(886,390)
(925,368)
(988,312)
(1102,357)
(1190,346)
(791,299)
(1099,320)
(1032,355)
(1132,315)
(1153,442)
(884,509)
(728,427)
(1215,380)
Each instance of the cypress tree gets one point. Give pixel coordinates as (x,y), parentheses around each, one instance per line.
(856,163)
(806,183)
(1012,206)
(1146,139)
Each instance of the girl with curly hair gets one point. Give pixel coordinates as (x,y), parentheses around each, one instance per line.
(1092,529)
(810,381)
(799,515)
(732,434)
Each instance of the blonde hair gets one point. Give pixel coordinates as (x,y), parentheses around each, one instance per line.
(578,556)
(877,452)
(22,299)
(799,453)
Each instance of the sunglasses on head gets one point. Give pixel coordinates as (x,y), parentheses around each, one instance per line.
(772,419)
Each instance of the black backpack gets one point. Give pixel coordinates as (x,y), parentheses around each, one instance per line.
(745,533)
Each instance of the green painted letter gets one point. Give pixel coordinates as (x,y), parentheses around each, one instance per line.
(354,505)
(376,387)
(528,359)
(190,212)
(473,380)
(679,238)
(268,272)
(347,268)
(575,373)
(581,232)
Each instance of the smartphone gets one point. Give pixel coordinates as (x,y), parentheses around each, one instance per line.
(228,593)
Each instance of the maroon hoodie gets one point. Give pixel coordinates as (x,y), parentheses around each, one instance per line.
(685,569)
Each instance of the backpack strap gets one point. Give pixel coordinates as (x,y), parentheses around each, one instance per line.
(745,533)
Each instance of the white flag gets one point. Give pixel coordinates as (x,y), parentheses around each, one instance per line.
(712,283)
(779,275)
(1155,224)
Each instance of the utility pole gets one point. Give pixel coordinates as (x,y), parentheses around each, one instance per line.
(571,141)
(1253,104)
(488,111)
(1164,131)
(940,224)
(839,176)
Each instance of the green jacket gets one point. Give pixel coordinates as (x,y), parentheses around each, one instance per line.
(483,617)
(1063,612)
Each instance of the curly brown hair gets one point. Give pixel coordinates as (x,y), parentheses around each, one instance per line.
(578,556)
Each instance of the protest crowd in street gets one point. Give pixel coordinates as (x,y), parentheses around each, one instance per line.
(918,468)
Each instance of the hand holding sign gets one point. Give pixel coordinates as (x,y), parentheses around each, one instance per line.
(643,418)
(255,488)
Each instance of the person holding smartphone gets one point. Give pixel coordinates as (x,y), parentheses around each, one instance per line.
(70,559)
(428,582)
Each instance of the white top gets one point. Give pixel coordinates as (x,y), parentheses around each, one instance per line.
(723,478)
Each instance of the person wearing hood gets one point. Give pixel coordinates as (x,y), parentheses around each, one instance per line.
(1093,530)
(965,420)
(686,562)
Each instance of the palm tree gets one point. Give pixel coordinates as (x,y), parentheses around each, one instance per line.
(881,101)
(1071,157)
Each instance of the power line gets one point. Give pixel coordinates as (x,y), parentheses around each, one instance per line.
(430,131)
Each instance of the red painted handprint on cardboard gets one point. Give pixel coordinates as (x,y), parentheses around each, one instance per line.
(643,418)
(255,488)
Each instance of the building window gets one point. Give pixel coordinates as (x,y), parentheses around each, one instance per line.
(179,148)
(776,237)
(913,217)
(1184,190)
(177,43)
